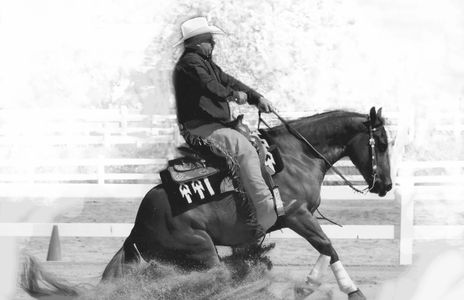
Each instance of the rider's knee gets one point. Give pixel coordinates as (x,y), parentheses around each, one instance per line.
(243,146)
(234,141)
(248,150)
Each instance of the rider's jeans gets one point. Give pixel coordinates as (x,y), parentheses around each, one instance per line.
(238,146)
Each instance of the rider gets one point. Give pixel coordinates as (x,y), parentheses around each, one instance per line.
(203,92)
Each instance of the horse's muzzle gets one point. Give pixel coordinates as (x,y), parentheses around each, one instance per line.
(381,188)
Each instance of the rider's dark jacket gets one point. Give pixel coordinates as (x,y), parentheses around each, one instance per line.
(203,90)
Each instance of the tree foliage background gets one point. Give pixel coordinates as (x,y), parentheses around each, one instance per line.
(303,55)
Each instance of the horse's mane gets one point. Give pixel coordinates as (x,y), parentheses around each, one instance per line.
(320,124)
(333,114)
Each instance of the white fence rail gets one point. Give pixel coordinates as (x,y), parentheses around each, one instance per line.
(102,127)
(137,191)
(101,170)
(121,126)
(95,178)
(123,230)
(410,188)
(81,170)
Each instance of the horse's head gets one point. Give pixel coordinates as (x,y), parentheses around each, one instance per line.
(368,150)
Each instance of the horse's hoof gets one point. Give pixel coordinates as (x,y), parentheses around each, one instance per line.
(356,295)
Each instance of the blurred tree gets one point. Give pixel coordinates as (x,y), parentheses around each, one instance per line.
(282,49)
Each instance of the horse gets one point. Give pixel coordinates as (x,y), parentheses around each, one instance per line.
(190,238)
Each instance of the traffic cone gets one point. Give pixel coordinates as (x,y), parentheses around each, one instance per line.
(54,248)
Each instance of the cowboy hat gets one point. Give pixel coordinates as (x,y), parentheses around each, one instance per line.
(196,26)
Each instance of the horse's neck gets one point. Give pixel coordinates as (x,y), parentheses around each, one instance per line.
(330,135)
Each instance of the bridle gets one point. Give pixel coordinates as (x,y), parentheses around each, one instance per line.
(372,144)
(373,154)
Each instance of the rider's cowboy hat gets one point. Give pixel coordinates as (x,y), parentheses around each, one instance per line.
(196,26)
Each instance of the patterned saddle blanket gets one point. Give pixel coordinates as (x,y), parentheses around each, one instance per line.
(196,179)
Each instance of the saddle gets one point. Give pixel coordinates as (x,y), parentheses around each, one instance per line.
(197,178)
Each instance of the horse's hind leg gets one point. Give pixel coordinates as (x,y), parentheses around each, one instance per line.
(201,249)
(303,222)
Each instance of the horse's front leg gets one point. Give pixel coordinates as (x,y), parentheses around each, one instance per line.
(303,222)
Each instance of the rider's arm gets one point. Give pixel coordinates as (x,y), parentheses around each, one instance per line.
(198,72)
(228,80)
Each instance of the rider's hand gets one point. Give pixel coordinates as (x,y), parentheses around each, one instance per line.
(241,98)
(265,105)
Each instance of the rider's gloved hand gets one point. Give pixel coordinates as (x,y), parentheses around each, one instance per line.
(239,97)
(265,105)
(242,98)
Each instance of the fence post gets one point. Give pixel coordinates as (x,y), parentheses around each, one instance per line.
(406,194)
(101,170)
(177,137)
(404,136)
(106,134)
(31,171)
(457,134)
(172,151)
(123,122)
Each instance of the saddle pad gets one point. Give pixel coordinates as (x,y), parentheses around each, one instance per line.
(186,195)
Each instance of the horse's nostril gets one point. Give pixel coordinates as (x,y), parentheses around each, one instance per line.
(389,187)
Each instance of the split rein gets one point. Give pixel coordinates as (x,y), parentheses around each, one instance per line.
(298,135)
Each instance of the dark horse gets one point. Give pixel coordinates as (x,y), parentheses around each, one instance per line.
(190,238)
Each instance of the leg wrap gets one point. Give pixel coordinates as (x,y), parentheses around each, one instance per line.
(344,281)
(319,270)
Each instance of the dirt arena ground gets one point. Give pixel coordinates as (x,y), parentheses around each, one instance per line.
(368,278)
(371,263)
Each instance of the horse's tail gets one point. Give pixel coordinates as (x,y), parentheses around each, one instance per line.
(123,262)
(39,283)
(116,266)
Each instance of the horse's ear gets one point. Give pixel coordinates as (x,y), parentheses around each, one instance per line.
(379,113)
(373,115)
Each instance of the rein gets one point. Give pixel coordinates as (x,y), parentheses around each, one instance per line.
(298,135)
